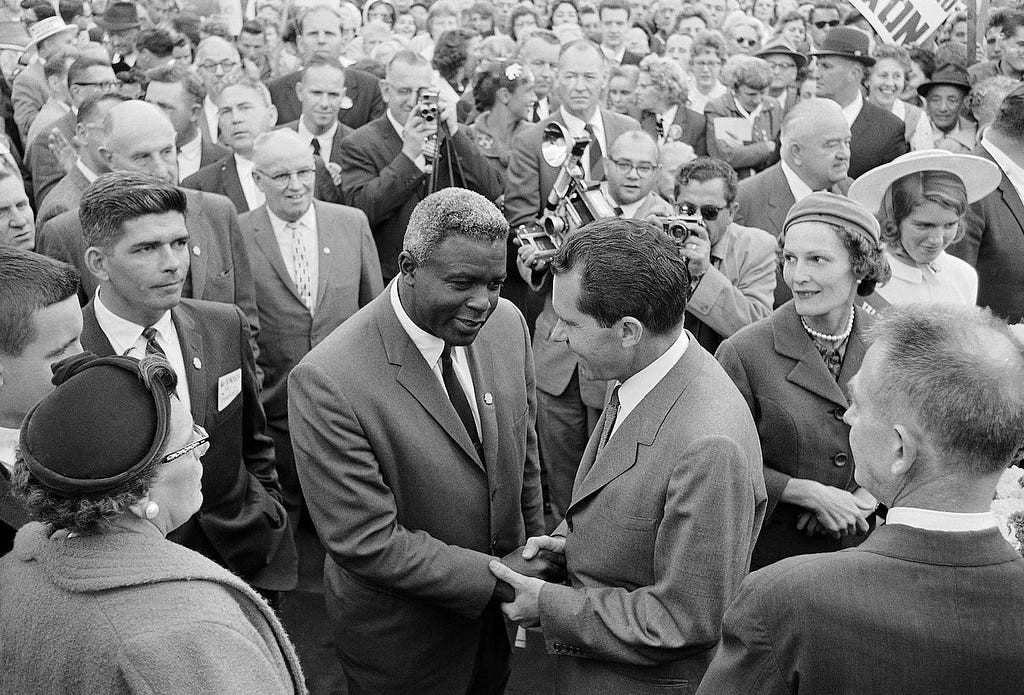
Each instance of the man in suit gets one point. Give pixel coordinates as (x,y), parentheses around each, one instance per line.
(40,324)
(320,33)
(245,114)
(180,93)
(614,16)
(29,90)
(138,311)
(88,76)
(938,579)
(539,52)
(732,267)
(321,92)
(993,239)
(631,168)
(384,167)
(17,223)
(413,427)
(877,135)
(569,405)
(314,264)
(89,137)
(138,137)
(786,64)
(670,495)
(218,64)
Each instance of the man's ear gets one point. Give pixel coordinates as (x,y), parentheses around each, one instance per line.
(907,449)
(107,155)
(95,262)
(407,266)
(632,331)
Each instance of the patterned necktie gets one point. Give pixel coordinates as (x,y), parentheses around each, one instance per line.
(596,155)
(457,395)
(152,346)
(611,412)
(300,265)
(316,146)
(536,112)
(659,125)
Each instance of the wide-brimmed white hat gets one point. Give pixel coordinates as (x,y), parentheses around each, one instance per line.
(980,176)
(45,28)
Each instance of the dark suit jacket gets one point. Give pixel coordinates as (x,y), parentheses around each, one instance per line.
(241,524)
(692,128)
(993,243)
(348,278)
(908,611)
(631,58)
(385,184)
(222,178)
(798,408)
(361,87)
(877,137)
(63,197)
(658,537)
(219,269)
(45,169)
(409,512)
(340,134)
(751,157)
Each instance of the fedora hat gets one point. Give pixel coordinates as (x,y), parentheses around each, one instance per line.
(949,74)
(847,42)
(781,48)
(979,175)
(120,16)
(45,28)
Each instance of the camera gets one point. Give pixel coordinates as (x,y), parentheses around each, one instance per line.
(681,226)
(426,104)
(539,237)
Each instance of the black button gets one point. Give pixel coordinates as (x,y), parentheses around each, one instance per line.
(839,459)
(838,413)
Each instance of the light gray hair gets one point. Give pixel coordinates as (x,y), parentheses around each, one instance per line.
(452,212)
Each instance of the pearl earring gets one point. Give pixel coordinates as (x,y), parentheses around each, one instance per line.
(152,509)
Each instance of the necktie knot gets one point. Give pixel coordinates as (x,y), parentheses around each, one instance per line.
(611,413)
(150,334)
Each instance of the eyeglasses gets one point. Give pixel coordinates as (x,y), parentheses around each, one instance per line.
(285,177)
(740,41)
(643,170)
(707,212)
(106,85)
(224,65)
(706,63)
(827,23)
(201,438)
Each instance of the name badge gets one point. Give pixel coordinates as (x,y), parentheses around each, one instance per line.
(228,387)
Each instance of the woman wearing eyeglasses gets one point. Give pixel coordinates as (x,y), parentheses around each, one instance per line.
(706,58)
(794,367)
(744,33)
(744,124)
(94,598)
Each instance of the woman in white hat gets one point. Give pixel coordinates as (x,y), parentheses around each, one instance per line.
(919,200)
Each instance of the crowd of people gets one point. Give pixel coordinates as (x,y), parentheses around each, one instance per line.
(686,336)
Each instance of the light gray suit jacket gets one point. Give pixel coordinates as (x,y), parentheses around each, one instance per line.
(29,92)
(658,537)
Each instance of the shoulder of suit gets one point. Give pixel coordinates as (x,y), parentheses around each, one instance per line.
(756,339)
(370,129)
(754,235)
(357,75)
(202,309)
(208,202)
(345,211)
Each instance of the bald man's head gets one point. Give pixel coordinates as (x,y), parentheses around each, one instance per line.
(138,136)
(638,151)
(816,142)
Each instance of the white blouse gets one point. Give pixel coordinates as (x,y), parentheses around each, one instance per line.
(947,279)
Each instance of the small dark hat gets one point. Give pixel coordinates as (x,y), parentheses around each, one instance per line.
(120,16)
(101,426)
(781,48)
(847,42)
(830,208)
(949,74)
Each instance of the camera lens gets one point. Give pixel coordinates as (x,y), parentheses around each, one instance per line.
(554,226)
(678,231)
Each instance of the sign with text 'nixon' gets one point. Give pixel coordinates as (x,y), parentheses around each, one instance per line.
(906,22)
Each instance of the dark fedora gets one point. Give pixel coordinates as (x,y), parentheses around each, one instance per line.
(119,17)
(847,42)
(949,74)
(781,48)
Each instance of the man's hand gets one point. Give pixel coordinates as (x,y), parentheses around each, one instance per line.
(415,135)
(525,609)
(697,249)
(537,560)
(554,544)
(62,149)
(839,512)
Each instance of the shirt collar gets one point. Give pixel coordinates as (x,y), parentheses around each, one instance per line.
(578,125)
(852,110)
(88,173)
(327,136)
(124,334)
(932,520)
(797,186)
(194,147)
(743,111)
(616,56)
(628,209)
(634,389)
(430,346)
(308,220)
(399,128)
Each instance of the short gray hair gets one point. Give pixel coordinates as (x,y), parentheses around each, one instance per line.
(958,374)
(452,212)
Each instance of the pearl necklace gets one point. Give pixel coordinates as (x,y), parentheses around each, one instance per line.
(826,336)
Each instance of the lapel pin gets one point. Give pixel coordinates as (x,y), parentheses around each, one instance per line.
(488,399)
(196,251)
(327,251)
(197,363)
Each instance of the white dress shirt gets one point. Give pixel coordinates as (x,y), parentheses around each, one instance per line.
(326,140)
(431,347)
(310,243)
(126,339)
(634,389)
(614,56)
(1013,172)
(253,195)
(543,108)
(8,446)
(667,119)
(797,187)
(420,161)
(932,520)
(88,173)
(947,280)
(578,127)
(190,155)
(852,110)
(211,112)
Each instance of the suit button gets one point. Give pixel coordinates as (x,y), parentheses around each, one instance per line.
(839,459)
(838,413)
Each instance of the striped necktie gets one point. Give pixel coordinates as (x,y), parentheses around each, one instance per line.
(300,265)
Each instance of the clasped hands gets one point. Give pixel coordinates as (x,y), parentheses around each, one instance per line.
(838,513)
(522,573)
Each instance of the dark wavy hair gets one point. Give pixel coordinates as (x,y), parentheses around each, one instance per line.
(939,187)
(451,52)
(867,259)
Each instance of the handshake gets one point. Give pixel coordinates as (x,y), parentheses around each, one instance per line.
(541,558)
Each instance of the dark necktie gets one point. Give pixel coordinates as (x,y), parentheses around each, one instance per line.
(457,395)
(611,412)
(536,112)
(596,155)
(659,125)
(316,146)
(152,346)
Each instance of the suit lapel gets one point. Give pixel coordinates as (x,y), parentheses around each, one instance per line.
(197,241)
(232,184)
(266,241)
(328,249)
(191,341)
(93,338)
(780,200)
(810,371)
(1012,200)
(481,367)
